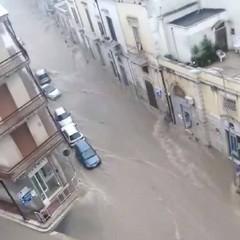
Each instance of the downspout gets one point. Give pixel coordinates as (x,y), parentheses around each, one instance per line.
(14,202)
(168,97)
(174,41)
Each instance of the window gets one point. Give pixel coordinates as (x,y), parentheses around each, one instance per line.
(111,28)
(44,180)
(75,15)
(145,69)
(89,19)
(137,38)
(233,31)
(100,28)
(230,104)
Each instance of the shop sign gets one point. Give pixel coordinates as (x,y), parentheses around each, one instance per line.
(25,195)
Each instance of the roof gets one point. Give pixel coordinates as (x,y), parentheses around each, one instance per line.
(82,145)
(40,71)
(59,110)
(70,129)
(196,16)
(3,11)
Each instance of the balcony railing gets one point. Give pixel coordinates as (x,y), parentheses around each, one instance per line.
(114,46)
(13,63)
(137,56)
(39,153)
(18,116)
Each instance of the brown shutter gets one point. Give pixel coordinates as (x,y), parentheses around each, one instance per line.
(7,104)
(24,140)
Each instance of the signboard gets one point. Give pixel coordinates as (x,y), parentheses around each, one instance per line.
(159,92)
(25,195)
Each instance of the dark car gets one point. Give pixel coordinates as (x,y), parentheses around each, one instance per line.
(42,76)
(86,154)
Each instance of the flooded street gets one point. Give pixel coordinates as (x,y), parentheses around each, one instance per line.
(154,182)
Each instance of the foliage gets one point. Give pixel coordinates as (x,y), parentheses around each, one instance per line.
(204,54)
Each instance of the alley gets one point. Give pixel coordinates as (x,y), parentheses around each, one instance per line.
(154,182)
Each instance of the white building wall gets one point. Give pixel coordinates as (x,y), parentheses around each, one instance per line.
(9,152)
(110,6)
(17,90)
(37,129)
(139,12)
(181,40)
(232,7)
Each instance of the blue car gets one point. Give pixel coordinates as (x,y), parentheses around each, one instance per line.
(86,154)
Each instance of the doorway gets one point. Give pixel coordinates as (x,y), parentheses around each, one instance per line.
(221,36)
(24,140)
(45,181)
(100,54)
(123,75)
(151,94)
(187,121)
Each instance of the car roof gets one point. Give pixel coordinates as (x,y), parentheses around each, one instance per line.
(82,145)
(70,129)
(41,71)
(59,110)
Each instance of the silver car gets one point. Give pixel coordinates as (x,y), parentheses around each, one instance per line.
(51,91)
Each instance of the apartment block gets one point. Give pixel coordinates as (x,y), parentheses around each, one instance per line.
(36,181)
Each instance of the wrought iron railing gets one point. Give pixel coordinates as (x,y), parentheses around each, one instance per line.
(12,64)
(40,152)
(21,113)
(138,56)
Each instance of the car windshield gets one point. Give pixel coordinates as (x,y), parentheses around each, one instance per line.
(63,116)
(49,88)
(42,76)
(75,136)
(88,154)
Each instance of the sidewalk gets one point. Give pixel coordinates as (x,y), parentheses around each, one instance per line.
(55,218)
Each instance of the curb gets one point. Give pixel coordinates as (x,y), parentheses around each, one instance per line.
(60,236)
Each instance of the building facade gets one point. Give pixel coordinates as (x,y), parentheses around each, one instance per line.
(34,182)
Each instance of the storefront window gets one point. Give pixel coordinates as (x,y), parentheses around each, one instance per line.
(44,180)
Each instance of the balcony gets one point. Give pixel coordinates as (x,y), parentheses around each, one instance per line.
(17,117)
(137,56)
(13,64)
(113,46)
(39,153)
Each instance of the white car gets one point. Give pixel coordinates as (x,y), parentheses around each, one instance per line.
(72,133)
(62,116)
(51,91)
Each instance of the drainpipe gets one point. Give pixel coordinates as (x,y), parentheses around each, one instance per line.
(174,41)
(14,202)
(168,97)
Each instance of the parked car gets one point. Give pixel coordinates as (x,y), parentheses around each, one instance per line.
(86,154)
(62,117)
(72,133)
(20,41)
(42,76)
(51,91)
